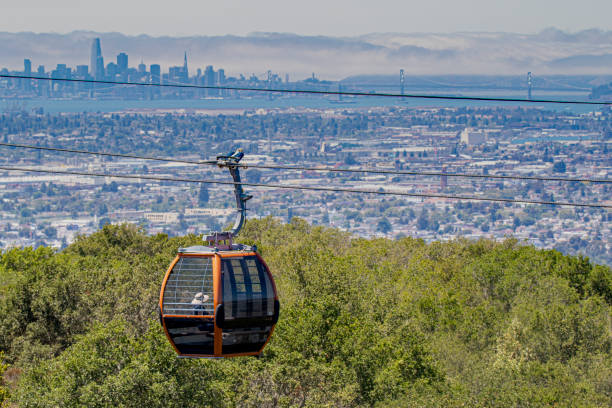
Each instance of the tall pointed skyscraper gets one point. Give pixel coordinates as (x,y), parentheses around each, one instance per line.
(96,66)
(185,69)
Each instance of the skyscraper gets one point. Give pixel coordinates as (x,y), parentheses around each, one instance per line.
(155,74)
(96,66)
(27,71)
(185,69)
(221,75)
(529,85)
(112,70)
(122,62)
(155,79)
(209,80)
(82,71)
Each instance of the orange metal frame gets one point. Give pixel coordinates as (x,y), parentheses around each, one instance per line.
(217,299)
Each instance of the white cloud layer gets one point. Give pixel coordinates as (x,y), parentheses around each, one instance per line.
(549,52)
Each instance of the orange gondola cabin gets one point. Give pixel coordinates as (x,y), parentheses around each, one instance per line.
(219,300)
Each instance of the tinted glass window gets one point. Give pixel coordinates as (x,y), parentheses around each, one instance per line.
(192,335)
(247,289)
(245,340)
(189,289)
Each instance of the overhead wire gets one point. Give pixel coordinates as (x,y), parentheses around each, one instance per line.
(318,169)
(316,92)
(307,188)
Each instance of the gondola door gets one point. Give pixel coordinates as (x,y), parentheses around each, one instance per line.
(249,306)
(187,304)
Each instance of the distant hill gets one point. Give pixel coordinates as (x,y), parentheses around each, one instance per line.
(549,52)
(363,323)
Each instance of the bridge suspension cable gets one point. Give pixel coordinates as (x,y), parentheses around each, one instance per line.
(314,92)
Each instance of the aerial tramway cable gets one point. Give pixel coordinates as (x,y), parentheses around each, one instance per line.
(311,188)
(319,169)
(316,92)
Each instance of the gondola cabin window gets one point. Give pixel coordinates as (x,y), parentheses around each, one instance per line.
(247,290)
(248,296)
(189,289)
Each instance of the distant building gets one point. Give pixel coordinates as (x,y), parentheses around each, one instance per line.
(112,70)
(175,75)
(471,136)
(96,66)
(529,85)
(221,81)
(162,218)
(155,74)
(185,69)
(210,80)
(27,71)
(221,77)
(82,71)
(122,63)
(60,72)
(215,212)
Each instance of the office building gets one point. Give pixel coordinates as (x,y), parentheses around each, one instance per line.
(112,70)
(27,67)
(185,69)
(96,66)
(82,71)
(155,74)
(210,80)
(27,71)
(122,63)
(471,136)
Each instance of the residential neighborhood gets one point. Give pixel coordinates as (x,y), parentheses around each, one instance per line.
(53,209)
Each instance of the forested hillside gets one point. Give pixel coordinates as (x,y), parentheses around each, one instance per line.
(363,323)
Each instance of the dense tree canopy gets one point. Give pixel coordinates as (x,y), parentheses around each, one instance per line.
(363,323)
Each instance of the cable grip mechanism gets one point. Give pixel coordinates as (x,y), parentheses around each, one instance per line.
(223,240)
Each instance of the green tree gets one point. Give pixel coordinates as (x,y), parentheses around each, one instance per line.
(384,225)
(364,322)
(559,167)
(4,390)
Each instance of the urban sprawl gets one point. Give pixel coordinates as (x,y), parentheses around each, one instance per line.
(53,209)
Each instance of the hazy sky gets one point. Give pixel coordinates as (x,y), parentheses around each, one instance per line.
(312,17)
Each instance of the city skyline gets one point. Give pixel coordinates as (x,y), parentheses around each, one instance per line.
(550,52)
(119,71)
